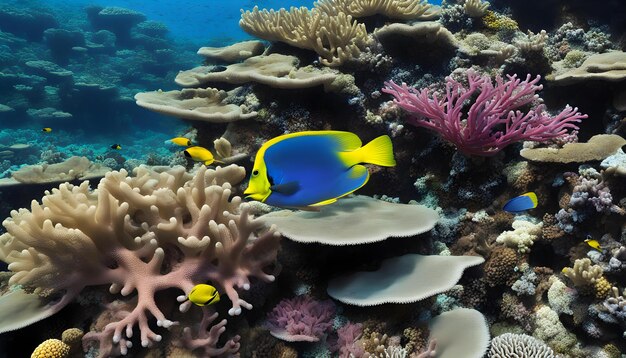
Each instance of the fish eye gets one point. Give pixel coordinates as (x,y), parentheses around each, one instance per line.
(255,173)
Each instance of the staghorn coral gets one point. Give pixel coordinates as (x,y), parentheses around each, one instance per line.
(333,35)
(146,233)
(200,338)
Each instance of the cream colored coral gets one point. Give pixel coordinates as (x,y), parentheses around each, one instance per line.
(475,8)
(336,37)
(560,296)
(522,237)
(533,42)
(583,274)
(395,9)
(549,329)
(51,348)
(200,104)
(274,70)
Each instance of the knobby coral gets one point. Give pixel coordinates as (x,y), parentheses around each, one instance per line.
(493,119)
(145,233)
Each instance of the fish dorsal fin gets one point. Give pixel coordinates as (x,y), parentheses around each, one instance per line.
(346,141)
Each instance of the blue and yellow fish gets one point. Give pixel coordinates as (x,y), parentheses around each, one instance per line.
(203,295)
(116,146)
(521,203)
(46,129)
(314,168)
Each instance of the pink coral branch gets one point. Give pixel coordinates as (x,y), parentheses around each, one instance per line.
(493,120)
(199,338)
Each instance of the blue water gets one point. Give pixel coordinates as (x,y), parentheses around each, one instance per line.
(210,22)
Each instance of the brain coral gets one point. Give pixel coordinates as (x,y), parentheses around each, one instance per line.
(511,345)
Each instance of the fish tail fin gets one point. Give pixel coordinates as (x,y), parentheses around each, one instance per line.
(379,152)
(533,197)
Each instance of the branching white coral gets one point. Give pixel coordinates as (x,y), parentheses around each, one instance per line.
(522,237)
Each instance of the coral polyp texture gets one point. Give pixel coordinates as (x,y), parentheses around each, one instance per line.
(334,35)
(301,319)
(494,119)
(140,234)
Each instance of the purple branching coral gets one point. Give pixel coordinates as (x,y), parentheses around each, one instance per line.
(590,194)
(301,319)
(146,233)
(493,119)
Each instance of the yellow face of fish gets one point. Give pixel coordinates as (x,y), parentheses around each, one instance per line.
(204,294)
(182,141)
(258,186)
(199,154)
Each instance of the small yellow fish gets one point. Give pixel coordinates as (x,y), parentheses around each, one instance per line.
(594,244)
(46,129)
(182,141)
(116,146)
(200,154)
(204,294)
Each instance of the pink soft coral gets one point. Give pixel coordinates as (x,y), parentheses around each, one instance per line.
(301,319)
(493,120)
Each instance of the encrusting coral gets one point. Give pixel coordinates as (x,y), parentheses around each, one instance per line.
(146,233)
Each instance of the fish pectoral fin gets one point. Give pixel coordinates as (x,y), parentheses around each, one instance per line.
(286,188)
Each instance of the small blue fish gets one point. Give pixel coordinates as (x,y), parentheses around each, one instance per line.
(313,168)
(521,203)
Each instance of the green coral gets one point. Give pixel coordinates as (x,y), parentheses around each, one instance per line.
(574,58)
(498,22)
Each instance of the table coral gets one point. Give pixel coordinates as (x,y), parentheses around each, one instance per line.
(145,233)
